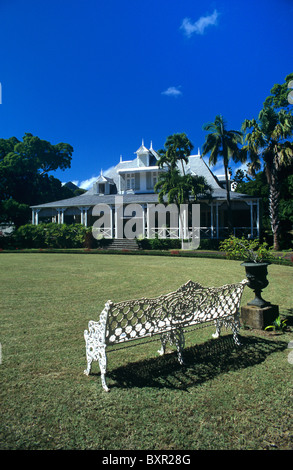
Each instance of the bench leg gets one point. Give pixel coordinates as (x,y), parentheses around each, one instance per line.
(233,324)
(179,340)
(102,358)
(176,338)
(164,339)
(87,371)
(97,353)
(235,327)
(103,380)
(218,329)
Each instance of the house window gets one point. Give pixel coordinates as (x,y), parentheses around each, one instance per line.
(130,181)
(151,178)
(102,188)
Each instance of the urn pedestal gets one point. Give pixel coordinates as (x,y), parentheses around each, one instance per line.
(258,313)
(259,318)
(256,274)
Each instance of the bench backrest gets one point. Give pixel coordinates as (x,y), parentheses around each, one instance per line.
(189,305)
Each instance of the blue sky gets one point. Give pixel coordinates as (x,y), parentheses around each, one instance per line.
(102,75)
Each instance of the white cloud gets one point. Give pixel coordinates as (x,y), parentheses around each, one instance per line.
(87,184)
(200,25)
(172,91)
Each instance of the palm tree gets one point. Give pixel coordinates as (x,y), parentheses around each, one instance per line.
(266,144)
(223,143)
(177,148)
(178,188)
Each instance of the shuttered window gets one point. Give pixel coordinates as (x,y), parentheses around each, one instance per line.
(132,181)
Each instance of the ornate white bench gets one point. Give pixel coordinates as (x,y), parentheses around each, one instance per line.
(167,316)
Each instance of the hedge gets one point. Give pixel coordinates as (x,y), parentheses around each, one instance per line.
(51,235)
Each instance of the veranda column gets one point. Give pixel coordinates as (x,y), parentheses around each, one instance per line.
(81,215)
(37,216)
(251,219)
(85,215)
(257,217)
(148,222)
(143,220)
(58,216)
(111,223)
(212,220)
(62,215)
(217,219)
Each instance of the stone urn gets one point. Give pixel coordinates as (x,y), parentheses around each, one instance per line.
(256,274)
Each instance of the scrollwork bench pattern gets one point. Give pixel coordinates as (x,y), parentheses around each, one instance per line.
(166,315)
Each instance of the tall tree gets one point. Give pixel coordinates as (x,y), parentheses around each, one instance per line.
(180,189)
(177,148)
(24,175)
(279,94)
(223,143)
(267,143)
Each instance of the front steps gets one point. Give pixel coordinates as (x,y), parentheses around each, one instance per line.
(123,244)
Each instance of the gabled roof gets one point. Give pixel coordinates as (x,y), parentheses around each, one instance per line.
(196,166)
(142,150)
(104,179)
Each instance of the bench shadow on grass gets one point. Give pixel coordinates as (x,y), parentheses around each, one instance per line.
(202,362)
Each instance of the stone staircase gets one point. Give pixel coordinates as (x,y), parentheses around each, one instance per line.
(123,244)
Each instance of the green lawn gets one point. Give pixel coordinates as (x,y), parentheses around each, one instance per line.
(224,398)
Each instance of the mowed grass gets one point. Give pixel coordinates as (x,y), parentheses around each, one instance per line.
(223,398)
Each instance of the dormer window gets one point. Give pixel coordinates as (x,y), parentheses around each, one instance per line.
(104,185)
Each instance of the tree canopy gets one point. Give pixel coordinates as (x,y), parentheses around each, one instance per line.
(268,144)
(223,143)
(177,148)
(279,95)
(24,175)
(179,188)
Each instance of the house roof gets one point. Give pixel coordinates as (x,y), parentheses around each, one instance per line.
(196,166)
(93,199)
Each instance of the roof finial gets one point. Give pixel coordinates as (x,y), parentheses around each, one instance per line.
(142,143)
(151,145)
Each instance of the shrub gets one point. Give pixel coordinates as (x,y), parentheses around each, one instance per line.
(158,243)
(52,235)
(49,235)
(209,244)
(247,250)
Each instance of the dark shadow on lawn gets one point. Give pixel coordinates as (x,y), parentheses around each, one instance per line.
(202,362)
(289,316)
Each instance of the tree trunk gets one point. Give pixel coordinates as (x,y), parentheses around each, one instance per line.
(229,210)
(274,199)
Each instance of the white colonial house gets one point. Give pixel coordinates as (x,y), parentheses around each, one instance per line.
(132,182)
